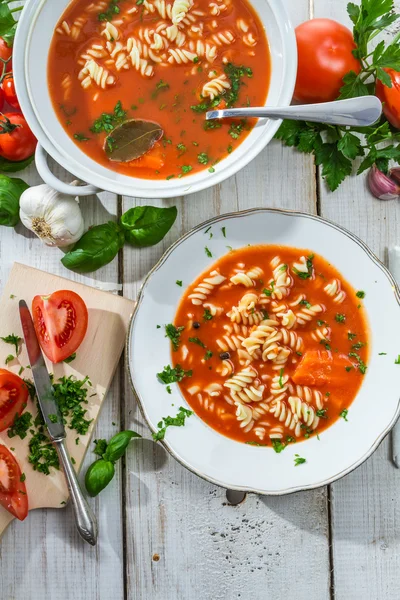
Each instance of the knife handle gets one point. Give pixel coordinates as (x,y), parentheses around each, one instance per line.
(85,519)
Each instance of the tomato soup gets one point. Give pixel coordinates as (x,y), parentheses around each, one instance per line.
(273,344)
(167,62)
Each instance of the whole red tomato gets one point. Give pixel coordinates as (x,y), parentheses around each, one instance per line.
(324,56)
(9,91)
(390,97)
(5,54)
(17,141)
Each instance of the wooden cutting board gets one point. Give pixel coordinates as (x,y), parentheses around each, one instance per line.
(97,357)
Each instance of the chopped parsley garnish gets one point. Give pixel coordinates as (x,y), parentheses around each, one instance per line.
(278,445)
(174,334)
(397,361)
(298,460)
(70,358)
(267,292)
(168,177)
(169,375)
(360,294)
(309,264)
(186,168)
(20,426)
(160,87)
(235,130)
(223,229)
(21,370)
(348,369)
(305,303)
(80,137)
(299,353)
(108,121)
(208,355)
(195,340)
(22,477)
(281,378)
(351,336)
(12,339)
(207,316)
(208,229)
(43,454)
(9,358)
(327,394)
(112,10)
(251,443)
(383,354)
(211,170)
(70,394)
(320,323)
(229,149)
(362,367)
(358,345)
(182,149)
(208,252)
(266,316)
(326,344)
(214,124)
(179,282)
(344,414)
(203,158)
(168,388)
(321,412)
(177,421)
(340,318)
(53,418)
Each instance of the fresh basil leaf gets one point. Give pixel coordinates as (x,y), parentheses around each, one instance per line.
(96,248)
(11,189)
(118,444)
(98,476)
(132,139)
(147,225)
(11,166)
(7,21)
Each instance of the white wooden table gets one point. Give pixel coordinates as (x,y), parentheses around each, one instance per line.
(164,533)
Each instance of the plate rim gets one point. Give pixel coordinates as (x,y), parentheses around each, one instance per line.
(139,299)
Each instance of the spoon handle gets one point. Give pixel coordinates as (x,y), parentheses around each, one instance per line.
(360,111)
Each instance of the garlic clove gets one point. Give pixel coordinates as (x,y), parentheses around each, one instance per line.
(395,174)
(381,185)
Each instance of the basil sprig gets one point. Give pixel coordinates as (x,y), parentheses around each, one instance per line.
(102,471)
(11,189)
(140,226)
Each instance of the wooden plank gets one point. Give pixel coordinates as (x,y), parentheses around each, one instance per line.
(181,533)
(56,563)
(365,547)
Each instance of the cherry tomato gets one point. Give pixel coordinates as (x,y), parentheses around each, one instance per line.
(13,494)
(13,398)
(5,54)
(9,91)
(390,97)
(17,141)
(324,56)
(60,322)
(1,99)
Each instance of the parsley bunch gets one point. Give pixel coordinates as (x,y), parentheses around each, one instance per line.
(336,147)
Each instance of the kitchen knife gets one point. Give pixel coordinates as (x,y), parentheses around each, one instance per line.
(85,519)
(394,267)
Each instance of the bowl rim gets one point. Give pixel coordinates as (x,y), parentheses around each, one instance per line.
(140,297)
(137,186)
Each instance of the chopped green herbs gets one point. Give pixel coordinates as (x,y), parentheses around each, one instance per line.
(383,354)
(278,445)
(161,86)
(186,168)
(397,361)
(305,303)
(112,10)
(22,477)
(195,340)
(203,158)
(170,375)
(351,336)
(344,414)
(298,460)
(362,367)
(70,358)
(9,358)
(108,121)
(281,378)
(326,344)
(181,148)
(305,274)
(21,370)
(168,388)
(174,334)
(348,369)
(14,340)
(211,170)
(71,394)
(358,345)
(208,355)
(207,316)
(166,422)
(340,318)
(42,453)
(223,229)
(235,130)
(80,137)
(320,323)
(20,425)
(251,443)
(321,413)
(360,294)
(208,252)
(179,282)
(53,418)
(229,149)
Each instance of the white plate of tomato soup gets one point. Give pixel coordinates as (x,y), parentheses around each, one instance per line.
(113,64)
(283,330)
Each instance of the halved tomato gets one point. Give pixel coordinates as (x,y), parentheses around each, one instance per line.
(13,494)
(60,322)
(13,398)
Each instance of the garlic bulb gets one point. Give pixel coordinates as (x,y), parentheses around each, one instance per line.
(55,218)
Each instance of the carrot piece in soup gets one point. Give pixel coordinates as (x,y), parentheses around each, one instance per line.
(320,367)
(151,160)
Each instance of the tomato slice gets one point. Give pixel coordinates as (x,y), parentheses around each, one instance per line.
(154,159)
(13,398)
(13,494)
(60,322)
(320,367)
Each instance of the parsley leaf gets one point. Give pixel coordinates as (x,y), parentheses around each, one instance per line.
(170,375)
(298,460)
(174,334)
(166,422)
(14,340)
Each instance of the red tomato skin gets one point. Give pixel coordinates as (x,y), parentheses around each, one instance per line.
(390,97)
(10,381)
(9,91)
(5,53)
(16,502)
(18,144)
(1,99)
(324,56)
(59,343)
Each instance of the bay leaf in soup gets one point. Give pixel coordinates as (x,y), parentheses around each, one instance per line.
(132,139)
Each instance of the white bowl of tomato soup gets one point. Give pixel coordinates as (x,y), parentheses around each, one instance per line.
(269,363)
(89,74)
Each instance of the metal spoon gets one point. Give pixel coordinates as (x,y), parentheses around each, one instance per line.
(360,111)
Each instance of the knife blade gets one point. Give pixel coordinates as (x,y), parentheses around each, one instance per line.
(394,267)
(85,519)
(44,389)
